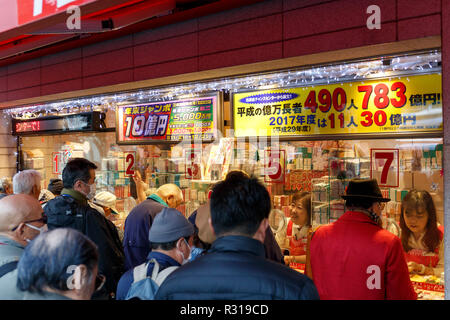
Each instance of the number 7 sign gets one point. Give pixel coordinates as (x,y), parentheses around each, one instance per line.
(384,166)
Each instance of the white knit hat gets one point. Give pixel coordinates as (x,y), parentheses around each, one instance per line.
(106,199)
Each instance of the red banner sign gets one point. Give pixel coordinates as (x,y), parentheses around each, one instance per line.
(31,10)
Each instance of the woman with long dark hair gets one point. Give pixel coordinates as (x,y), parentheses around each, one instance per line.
(422,236)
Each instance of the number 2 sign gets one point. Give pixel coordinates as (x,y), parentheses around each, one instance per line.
(384,166)
(130,159)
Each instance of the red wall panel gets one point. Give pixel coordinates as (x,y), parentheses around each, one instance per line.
(61,57)
(108,46)
(241,35)
(166,50)
(260,32)
(261,9)
(3,84)
(415,8)
(61,71)
(107,79)
(339,40)
(333,16)
(108,62)
(24,66)
(241,56)
(419,27)
(166,69)
(24,79)
(173,30)
(24,93)
(62,86)
(295,4)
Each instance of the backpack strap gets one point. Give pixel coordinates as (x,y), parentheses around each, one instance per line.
(140,272)
(8,267)
(164,274)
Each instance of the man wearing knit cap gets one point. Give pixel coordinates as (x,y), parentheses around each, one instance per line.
(171,239)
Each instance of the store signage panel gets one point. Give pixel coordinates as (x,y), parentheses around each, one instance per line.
(398,104)
(31,10)
(173,121)
(88,121)
(385,167)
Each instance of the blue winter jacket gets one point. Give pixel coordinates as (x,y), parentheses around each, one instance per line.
(235,268)
(137,226)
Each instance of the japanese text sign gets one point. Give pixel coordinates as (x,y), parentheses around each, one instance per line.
(194,119)
(398,104)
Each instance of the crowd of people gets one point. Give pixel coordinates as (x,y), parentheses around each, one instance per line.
(59,243)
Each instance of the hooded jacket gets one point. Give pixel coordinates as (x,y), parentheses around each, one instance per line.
(137,226)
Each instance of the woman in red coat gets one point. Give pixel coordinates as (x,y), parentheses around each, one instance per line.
(421,235)
(354,257)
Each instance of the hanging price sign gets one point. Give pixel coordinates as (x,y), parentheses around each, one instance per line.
(193,164)
(57,162)
(384,166)
(274,165)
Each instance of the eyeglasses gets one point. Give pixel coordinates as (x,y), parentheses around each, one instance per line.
(99,282)
(43,219)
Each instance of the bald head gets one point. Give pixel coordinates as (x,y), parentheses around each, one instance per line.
(171,194)
(17,208)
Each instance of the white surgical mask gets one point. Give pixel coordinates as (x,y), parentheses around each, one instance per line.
(92,190)
(41,230)
(182,255)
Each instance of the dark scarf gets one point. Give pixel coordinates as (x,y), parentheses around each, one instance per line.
(374,217)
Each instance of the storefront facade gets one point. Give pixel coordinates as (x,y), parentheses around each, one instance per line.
(228,72)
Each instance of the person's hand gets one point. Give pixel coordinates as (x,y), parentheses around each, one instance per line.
(137,177)
(415,267)
(288,259)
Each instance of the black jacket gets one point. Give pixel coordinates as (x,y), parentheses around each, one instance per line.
(235,268)
(66,212)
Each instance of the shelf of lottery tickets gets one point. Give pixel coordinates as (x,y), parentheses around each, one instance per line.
(300,267)
(428,287)
(422,285)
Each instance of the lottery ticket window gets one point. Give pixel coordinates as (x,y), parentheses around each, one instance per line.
(324,169)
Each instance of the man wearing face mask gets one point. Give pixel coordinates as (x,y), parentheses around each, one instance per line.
(21,220)
(71,210)
(171,238)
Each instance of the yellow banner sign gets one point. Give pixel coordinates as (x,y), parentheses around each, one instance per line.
(397,104)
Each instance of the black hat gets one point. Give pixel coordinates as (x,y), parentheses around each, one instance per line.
(366,189)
